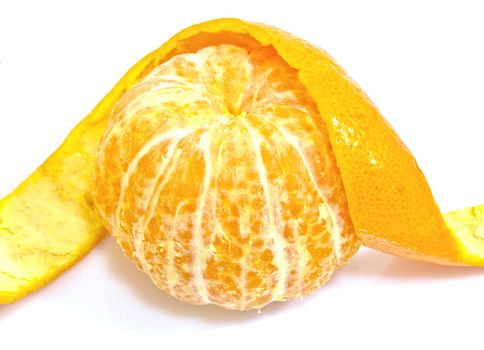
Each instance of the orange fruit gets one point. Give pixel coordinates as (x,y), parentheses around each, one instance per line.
(317,159)
(217,178)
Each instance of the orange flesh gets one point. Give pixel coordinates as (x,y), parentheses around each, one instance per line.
(217,178)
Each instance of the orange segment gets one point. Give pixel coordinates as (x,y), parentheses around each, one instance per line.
(228,192)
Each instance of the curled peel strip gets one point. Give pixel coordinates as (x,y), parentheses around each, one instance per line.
(49,222)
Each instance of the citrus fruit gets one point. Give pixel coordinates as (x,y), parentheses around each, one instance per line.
(217,178)
(236,164)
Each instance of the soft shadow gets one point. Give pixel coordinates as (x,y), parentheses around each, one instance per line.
(11,308)
(146,291)
(372,263)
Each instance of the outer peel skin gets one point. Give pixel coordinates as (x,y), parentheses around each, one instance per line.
(48,223)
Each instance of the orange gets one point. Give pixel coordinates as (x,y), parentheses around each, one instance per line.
(217,178)
(325,145)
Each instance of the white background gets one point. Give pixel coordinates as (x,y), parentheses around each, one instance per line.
(421,62)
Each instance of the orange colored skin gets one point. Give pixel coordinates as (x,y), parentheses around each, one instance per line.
(390,202)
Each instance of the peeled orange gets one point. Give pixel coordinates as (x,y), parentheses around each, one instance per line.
(217,178)
(236,165)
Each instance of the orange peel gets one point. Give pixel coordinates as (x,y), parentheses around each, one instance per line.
(49,222)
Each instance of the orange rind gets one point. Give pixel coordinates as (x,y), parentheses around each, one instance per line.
(49,222)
